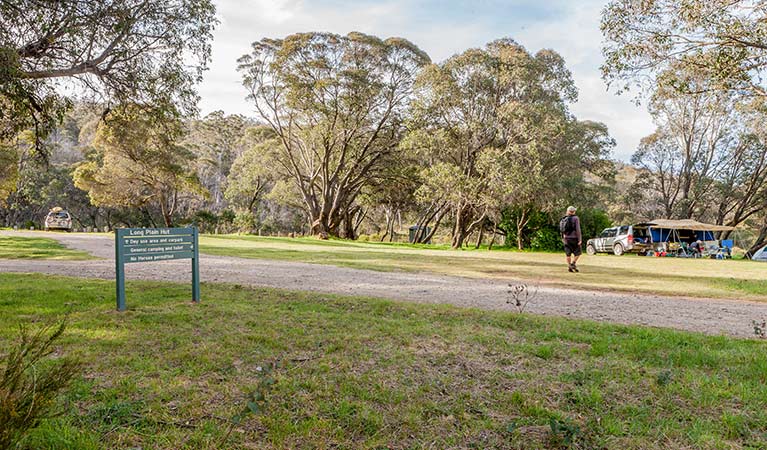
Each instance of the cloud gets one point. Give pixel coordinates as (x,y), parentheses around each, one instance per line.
(441,29)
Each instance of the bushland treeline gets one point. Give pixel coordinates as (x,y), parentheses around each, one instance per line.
(361,136)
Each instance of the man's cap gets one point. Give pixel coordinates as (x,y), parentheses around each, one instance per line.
(571,209)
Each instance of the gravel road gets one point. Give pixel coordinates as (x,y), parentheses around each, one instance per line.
(709,316)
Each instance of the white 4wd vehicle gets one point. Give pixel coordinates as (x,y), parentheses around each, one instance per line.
(622,239)
(58,219)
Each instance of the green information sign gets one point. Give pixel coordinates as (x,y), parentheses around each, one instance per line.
(136,245)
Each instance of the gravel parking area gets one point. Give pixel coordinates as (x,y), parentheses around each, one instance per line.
(692,314)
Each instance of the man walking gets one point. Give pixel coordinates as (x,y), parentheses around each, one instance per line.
(570,227)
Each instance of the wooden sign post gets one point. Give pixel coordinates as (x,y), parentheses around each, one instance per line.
(136,245)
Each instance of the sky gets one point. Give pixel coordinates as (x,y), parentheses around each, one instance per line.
(442,29)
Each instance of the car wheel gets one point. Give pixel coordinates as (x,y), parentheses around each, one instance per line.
(590,250)
(618,249)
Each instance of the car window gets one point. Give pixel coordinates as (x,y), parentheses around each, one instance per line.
(605,233)
(623,230)
(612,232)
(62,215)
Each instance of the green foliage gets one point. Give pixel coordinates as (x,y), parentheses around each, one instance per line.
(252,175)
(593,221)
(541,231)
(31,379)
(206,221)
(8,171)
(495,132)
(131,51)
(722,40)
(255,399)
(244,221)
(664,377)
(326,84)
(546,239)
(138,162)
(216,141)
(564,434)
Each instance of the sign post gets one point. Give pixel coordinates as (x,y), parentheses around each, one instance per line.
(136,245)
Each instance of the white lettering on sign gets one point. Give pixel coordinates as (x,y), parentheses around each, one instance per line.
(154,232)
(160,249)
(150,241)
(150,258)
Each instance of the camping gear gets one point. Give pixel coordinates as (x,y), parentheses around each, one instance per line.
(672,235)
(760,255)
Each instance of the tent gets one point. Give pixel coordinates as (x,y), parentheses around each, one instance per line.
(760,255)
(684,230)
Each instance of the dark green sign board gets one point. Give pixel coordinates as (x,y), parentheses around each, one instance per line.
(136,245)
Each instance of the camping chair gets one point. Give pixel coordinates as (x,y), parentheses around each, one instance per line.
(684,250)
(714,252)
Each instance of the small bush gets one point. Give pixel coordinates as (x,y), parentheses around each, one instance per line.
(244,222)
(546,239)
(30,380)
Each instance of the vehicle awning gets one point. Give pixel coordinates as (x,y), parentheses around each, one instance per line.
(687,224)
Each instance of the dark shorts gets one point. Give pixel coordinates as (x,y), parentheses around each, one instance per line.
(572,247)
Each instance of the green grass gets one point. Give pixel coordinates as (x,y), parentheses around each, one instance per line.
(367,373)
(629,273)
(16,247)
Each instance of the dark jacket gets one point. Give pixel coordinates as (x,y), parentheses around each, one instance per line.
(575,234)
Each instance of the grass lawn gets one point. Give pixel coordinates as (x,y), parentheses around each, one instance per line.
(365,373)
(628,273)
(18,247)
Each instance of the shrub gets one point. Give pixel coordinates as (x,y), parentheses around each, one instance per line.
(30,381)
(244,222)
(546,239)
(205,220)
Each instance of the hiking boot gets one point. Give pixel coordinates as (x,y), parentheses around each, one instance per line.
(575,268)
(571,268)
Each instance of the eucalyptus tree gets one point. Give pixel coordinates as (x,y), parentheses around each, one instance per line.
(724,40)
(148,52)
(697,130)
(252,172)
(137,162)
(217,140)
(336,104)
(476,110)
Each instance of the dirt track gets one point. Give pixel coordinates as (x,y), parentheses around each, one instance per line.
(703,315)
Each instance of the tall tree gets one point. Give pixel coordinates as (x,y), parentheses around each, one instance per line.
(485,104)
(217,141)
(137,162)
(337,105)
(252,173)
(724,40)
(148,52)
(697,129)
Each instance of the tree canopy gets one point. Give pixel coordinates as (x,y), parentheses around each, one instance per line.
(336,104)
(494,129)
(136,162)
(723,39)
(148,52)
